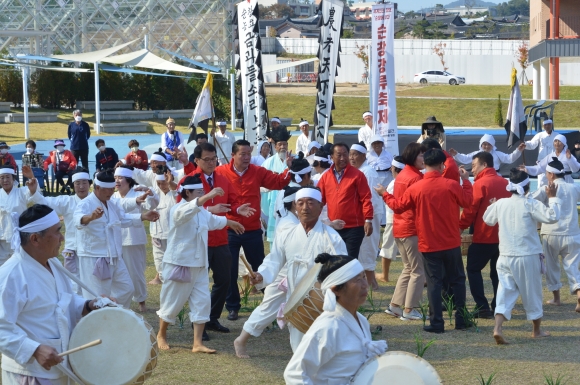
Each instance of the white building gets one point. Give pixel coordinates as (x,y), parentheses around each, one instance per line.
(462,10)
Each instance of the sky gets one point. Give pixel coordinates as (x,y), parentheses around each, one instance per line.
(413,5)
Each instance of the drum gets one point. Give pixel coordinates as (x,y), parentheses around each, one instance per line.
(305,302)
(396,368)
(127,355)
(466,240)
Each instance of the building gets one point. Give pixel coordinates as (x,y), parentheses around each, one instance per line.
(554,37)
(462,10)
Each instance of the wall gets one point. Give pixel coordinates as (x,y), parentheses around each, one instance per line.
(486,62)
(540,15)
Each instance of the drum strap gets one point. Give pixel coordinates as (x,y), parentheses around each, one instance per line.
(70,374)
(75,279)
(329,242)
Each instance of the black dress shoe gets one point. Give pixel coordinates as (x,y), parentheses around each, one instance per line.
(204,336)
(233,315)
(483,314)
(216,327)
(432,329)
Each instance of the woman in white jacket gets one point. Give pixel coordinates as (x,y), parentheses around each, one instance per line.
(487,144)
(562,152)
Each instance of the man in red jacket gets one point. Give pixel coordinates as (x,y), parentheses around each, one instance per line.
(485,247)
(436,201)
(451,169)
(247,179)
(346,194)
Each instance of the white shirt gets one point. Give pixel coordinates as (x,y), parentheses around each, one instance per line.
(517,218)
(16,201)
(135,235)
(149,178)
(160,228)
(226,141)
(187,239)
(36,307)
(380,162)
(365,133)
(498,157)
(332,350)
(65,205)
(302,143)
(372,179)
(390,213)
(545,141)
(569,194)
(102,237)
(570,165)
(175,135)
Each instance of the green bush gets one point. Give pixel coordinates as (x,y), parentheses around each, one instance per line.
(498,112)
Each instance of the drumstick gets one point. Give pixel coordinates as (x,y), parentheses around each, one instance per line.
(82,347)
(243,257)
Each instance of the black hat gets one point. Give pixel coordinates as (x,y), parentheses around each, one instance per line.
(299,163)
(280,134)
(555,163)
(432,120)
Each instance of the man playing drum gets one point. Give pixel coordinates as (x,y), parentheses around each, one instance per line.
(295,249)
(38,308)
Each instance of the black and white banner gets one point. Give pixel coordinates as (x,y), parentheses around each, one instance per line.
(382,76)
(249,62)
(330,24)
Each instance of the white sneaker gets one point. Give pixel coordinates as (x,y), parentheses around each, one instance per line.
(413,315)
(394,311)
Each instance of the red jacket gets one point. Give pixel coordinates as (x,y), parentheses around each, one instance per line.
(349,200)
(487,185)
(436,201)
(8,160)
(248,188)
(451,169)
(404,223)
(132,159)
(66,156)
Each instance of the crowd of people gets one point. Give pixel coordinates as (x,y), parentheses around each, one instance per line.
(323,205)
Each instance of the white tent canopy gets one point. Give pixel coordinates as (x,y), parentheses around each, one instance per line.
(278,67)
(94,56)
(147,59)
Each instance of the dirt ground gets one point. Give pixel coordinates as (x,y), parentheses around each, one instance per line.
(341,89)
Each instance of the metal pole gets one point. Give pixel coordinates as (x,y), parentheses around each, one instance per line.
(97,101)
(25,97)
(233,99)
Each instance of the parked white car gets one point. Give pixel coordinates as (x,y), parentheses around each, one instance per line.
(441,77)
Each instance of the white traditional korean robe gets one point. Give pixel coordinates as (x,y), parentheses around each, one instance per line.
(36,307)
(296,251)
(14,202)
(159,230)
(389,248)
(279,205)
(331,351)
(570,166)
(563,237)
(148,178)
(369,248)
(365,133)
(134,241)
(499,157)
(268,201)
(226,141)
(187,246)
(546,146)
(302,143)
(518,266)
(102,238)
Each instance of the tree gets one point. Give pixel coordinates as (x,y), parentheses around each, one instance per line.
(347,34)
(522,54)
(439,50)
(10,82)
(420,30)
(361,53)
(410,14)
(520,7)
(435,30)
(278,11)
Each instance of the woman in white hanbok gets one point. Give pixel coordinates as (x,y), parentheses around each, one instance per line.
(339,341)
(487,144)
(562,152)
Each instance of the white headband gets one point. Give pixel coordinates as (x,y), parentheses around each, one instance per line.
(308,192)
(358,148)
(338,277)
(561,138)
(159,177)
(158,158)
(301,172)
(81,175)
(125,172)
(303,123)
(548,121)
(519,187)
(104,184)
(322,159)
(398,164)
(367,114)
(289,198)
(38,225)
(377,138)
(275,120)
(313,144)
(7,171)
(198,186)
(554,170)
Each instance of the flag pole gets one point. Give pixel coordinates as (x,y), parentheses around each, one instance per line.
(213,134)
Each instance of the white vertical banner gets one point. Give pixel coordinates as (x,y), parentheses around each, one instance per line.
(254,109)
(382,68)
(330,24)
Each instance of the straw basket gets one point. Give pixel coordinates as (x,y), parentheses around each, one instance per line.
(466,240)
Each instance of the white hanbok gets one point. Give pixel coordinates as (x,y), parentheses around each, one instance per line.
(545,143)
(382,165)
(389,248)
(159,230)
(302,143)
(226,141)
(187,251)
(134,242)
(100,246)
(149,178)
(369,249)
(570,166)
(268,199)
(518,266)
(279,205)
(332,351)
(365,133)
(15,202)
(562,238)
(296,251)
(37,307)
(499,157)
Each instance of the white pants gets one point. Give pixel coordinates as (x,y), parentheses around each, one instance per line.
(385,177)
(135,260)
(11,378)
(389,248)
(568,247)
(176,164)
(519,276)
(242,270)
(119,286)
(369,249)
(5,251)
(175,294)
(73,254)
(266,312)
(159,247)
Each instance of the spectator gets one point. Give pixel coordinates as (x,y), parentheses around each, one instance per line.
(225,141)
(63,163)
(200,138)
(106,158)
(576,153)
(35,161)
(79,133)
(7,159)
(172,143)
(136,158)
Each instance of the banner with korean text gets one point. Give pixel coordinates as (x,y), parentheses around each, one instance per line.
(382,68)
(249,64)
(330,24)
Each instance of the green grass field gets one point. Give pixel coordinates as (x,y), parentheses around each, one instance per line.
(468,91)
